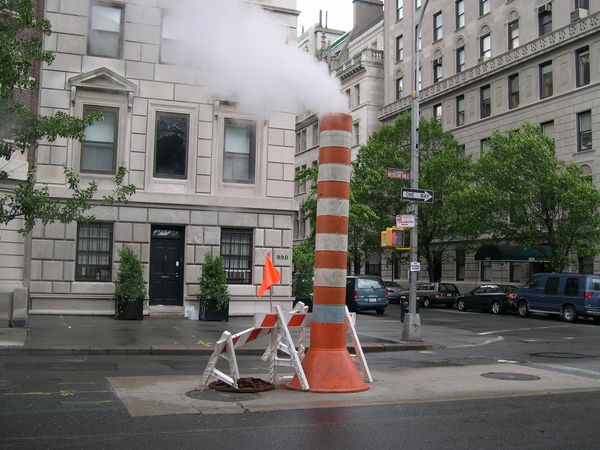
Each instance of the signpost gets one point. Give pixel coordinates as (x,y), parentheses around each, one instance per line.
(417,195)
(398,174)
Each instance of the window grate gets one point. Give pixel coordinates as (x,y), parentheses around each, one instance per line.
(94,252)
(236,253)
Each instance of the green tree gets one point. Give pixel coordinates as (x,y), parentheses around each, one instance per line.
(21,129)
(524,194)
(443,169)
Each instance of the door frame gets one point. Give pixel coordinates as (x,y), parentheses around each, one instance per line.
(181,253)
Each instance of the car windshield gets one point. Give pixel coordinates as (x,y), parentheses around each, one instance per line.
(369,283)
(392,284)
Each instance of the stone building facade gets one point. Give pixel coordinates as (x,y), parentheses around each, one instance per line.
(210,177)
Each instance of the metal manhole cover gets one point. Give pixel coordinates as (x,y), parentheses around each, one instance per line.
(510,376)
(218,396)
(563,355)
(245,385)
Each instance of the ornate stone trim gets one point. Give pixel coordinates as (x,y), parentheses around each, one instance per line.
(525,52)
(357,64)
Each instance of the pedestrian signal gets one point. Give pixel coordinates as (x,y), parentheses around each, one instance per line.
(393,238)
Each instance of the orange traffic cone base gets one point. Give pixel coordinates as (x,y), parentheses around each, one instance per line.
(329,370)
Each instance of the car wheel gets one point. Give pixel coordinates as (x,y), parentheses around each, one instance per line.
(380,311)
(569,313)
(460,305)
(496,308)
(426,303)
(523,309)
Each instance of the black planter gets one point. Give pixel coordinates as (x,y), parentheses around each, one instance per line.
(209,312)
(129,310)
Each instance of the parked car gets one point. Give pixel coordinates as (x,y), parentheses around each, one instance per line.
(496,298)
(393,291)
(430,294)
(569,295)
(366,292)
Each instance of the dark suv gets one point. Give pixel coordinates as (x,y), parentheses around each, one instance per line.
(430,294)
(366,292)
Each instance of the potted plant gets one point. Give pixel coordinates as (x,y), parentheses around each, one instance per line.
(213,295)
(130,289)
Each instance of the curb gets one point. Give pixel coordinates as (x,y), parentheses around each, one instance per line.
(165,350)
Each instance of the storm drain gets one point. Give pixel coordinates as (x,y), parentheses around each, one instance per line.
(221,391)
(561,355)
(510,376)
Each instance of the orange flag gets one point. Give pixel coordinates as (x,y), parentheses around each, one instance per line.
(270,276)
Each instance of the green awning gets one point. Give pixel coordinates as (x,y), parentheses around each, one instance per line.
(505,252)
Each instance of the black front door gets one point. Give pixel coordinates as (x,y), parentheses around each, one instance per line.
(166,266)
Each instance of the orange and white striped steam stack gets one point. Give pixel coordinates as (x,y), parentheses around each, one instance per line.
(328,365)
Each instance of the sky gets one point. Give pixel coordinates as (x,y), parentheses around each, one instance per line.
(339,17)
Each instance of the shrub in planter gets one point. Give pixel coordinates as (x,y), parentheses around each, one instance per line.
(213,295)
(130,289)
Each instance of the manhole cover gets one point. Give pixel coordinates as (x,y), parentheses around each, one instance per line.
(245,385)
(563,355)
(218,396)
(510,376)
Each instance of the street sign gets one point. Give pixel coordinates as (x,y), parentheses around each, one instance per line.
(399,174)
(405,220)
(415,266)
(417,195)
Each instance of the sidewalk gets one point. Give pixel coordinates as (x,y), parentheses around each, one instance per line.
(102,335)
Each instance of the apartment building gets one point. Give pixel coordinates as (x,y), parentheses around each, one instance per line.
(211,177)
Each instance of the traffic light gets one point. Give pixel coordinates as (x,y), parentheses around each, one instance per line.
(393,239)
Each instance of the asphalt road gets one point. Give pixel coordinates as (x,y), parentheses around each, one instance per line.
(67,401)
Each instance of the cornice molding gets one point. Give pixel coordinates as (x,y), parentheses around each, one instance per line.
(530,50)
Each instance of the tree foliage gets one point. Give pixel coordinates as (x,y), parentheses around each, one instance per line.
(522,193)
(21,129)
(443,169)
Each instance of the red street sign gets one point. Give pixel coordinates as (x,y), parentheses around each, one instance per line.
(398,174)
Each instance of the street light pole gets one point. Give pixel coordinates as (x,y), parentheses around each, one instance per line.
(412,321)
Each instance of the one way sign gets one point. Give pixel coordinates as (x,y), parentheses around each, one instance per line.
(417,195)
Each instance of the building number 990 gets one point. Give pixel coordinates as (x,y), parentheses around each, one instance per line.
(282,257)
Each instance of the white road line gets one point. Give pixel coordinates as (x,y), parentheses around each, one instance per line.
(520,329)
(584,372)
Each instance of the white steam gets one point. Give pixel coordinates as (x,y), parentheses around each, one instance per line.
(247,59)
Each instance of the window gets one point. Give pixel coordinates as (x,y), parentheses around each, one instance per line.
(399,9)
(300,187)
(94,252)
(484,146)
(485,46)
(484,7)
(513,91)
(303,140)
(545,21)
(486,101)
(356,133)
(514,272)
(437,112)
(583,66)
(236,253)
(584,131)
(437,26)
(171,145)
(315,134)
(460,110)
(584,4)
(461,63)
(460,13)
(357,94)
(239,150)
(99,148)
(548,129)
(460,265)
(399,88)
(106,27)
(348,94)
(586,265)
(513,34)
(417,3)
(546,87)
(486,271)
(551,286)
(438,70)
(572,287)
(399,48)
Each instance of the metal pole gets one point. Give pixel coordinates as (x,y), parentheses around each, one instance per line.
(412,322)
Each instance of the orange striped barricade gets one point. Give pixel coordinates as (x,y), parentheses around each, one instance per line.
(264,325)
(358,356)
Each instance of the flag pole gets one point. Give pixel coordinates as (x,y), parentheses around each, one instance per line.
(271,299)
